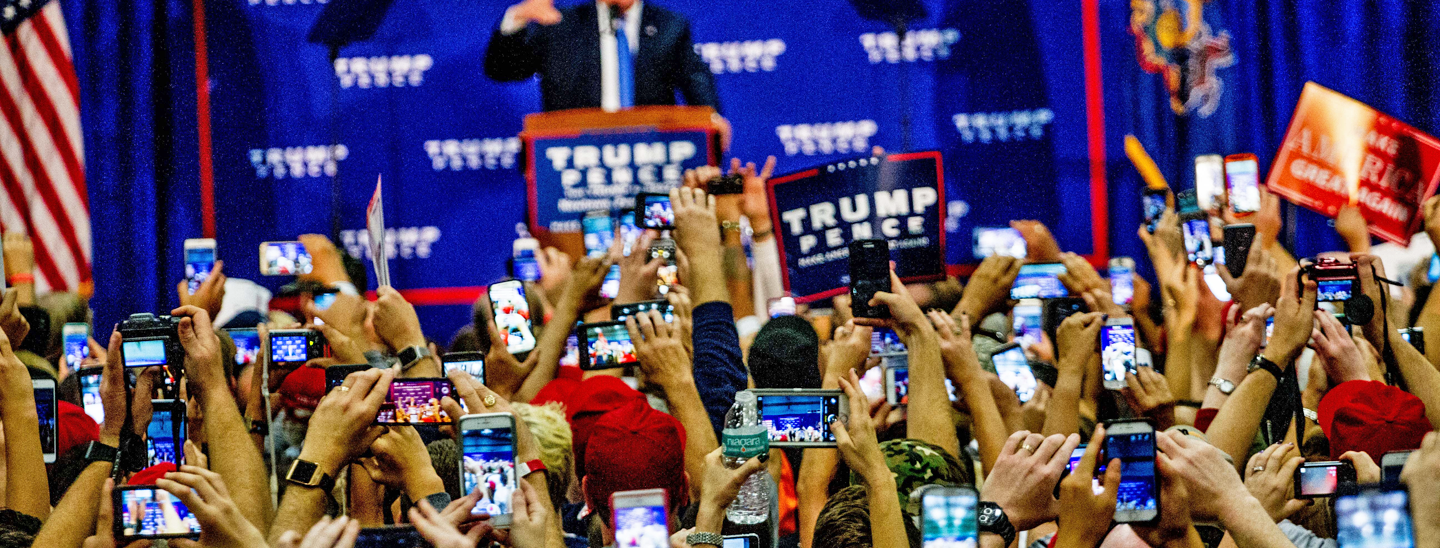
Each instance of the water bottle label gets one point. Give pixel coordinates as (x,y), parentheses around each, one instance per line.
(738,445)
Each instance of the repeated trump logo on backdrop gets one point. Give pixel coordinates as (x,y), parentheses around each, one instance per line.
(1339,151)
(818,212)
(578,173)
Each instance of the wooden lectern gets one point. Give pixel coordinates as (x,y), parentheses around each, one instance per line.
(578,160)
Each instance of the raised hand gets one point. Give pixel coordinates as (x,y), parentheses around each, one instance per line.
(327,267)
(660,349)
(14,324)
(399,460)
(1258,284)
(1294,320)
(1022,482)
(1210,479)
(343,425)
(847,351)
(203,364)
(1079,339)
(1040,246)
(638,272)
(344,326)
(1079,277)
(339,532)
(204,493)
(989,288)
(1085,515)
(536,11)
(209,295)
(1148,393)
(441,533)
(753,202)
(554,268)
(856,438)
(905,316)
(1271,479)
(1343,360)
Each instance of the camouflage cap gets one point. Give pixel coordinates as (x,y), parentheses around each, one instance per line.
(916,464)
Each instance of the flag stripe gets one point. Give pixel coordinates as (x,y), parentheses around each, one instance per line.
(51,84)
(44,106)
(48,271)
(46,35)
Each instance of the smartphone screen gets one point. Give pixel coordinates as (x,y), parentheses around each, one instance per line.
(45,409)
(143,352)
(781,306)
(658,214)
(526,267)
(1122,284)
(1027,323)
(869,273)
(599,230)
(897,380)
(472,363)
(1005,242)
(199,261)
(610,287)
(1117,352)
(1269,330)
(1153,205)
(572,351)
(607,346)
(1390,466)
(148,512)
(165,436)
(1433,273)
(886,342)
(799,418)
(641,522)
(488,465)
(1136,498)
(289,347)
(512,315)
(335,375)
(247,345)
(669,273)
(741,541)
(1242,175)
(284,259)
(1374,518)
(1318,480)
(1013,368)
(1209,179)
(77,343)
(415,401)
(393,536)
(629,232)
(948,518)
(90,395)
(1198,247)
(1039,281)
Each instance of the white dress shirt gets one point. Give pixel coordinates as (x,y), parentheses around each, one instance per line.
(609,64)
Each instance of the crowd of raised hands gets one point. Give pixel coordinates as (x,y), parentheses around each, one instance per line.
(275,457)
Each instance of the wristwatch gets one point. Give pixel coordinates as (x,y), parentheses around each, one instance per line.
(410,355)
(527,468)
(99,452)
(308,474)
(706,539)
(1261,362)
(1226,387)
(993,520)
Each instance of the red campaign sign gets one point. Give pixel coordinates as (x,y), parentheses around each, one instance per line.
(1339,151)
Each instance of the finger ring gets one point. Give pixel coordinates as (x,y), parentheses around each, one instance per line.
(1258,469)
(344,389)
(488,400)
(1026,448)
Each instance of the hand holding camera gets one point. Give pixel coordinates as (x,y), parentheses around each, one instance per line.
(1294,319)
(343,425)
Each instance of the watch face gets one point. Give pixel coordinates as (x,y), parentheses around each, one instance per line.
(303,472)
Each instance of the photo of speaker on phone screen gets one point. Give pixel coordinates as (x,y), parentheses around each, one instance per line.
(607,346)
(487,461)
(512,315)
(147,512)
(799,416)
(412,401)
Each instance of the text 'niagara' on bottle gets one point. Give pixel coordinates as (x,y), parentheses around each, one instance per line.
(745,437)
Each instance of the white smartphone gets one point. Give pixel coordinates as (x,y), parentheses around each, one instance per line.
(1133,442)
(526,266)
(1027,322)
(1117,351)
(487,463)
(199,261)
(1122,281)
(284,259)
(512,315)
(1209,179)
(1013,368)
(801,417)
(76,339)
(641,518)
(948,517)
(45,408)
(90,392)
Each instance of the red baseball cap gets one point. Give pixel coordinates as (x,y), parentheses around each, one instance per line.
(73,427)
(1372,417)
(149,475)
(558,390)
(594,397)
(635,447)
(303,388)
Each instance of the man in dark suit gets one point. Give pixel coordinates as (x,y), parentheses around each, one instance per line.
(611,54)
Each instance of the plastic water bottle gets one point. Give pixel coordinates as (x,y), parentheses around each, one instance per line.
(745,437)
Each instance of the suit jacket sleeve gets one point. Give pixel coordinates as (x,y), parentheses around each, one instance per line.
(514,57)
(696,83)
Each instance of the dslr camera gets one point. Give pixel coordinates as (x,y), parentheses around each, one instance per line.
(150,340)
(1335,281)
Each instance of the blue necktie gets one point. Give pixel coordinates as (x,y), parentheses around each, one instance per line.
(626,66)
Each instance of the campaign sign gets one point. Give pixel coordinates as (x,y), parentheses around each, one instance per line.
(818,212)
(573,174)
(1339,151)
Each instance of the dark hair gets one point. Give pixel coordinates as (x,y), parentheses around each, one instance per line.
(785,354)
(445,457)
(465,340)
(844,522)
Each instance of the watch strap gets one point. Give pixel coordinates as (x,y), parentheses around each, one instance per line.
(1226,387)
(527,468)
(410,355)
(1261,362)
(704,539)
(324,483)
(99,452)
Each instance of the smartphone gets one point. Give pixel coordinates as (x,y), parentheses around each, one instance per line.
(886,342)
(523,264)
(1322,479)
(512,315)
(1374,518)
(610,286)
(1026,322)
(199,261)
(472,363)
(46,410)
(487,463)
(284,259)
(1005,242)
(1153,205)
(144,352)
(781,306)
(641,518)
(629,232)
(1433,273)
(948,517)
(335,374)
(1415,336)
(415,401)
(1039,281)
(1013,368)
(1269,330)
(751,540)
(76,338)
(1198,247)
(599,230)
(89,378)
(291,346)
(1238,239)
(1390,466)
(389,536)
(733,183)
(897,381)
(1056,310)
(1117,351)
(1122,280)
(669,273)
(800,417)
(1185,202)
(247,345)
(869,273)
(1242,177)
(1133,442)
(653,211)
(606,346)
(165,437)
(1209,180)
(147,512)
(621,311)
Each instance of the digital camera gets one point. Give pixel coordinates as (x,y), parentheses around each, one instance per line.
(163,330)
(1335,281)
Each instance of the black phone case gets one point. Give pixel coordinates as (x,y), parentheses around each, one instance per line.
(1238,239)
(869,274)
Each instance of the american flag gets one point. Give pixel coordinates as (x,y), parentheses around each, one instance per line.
(42,160)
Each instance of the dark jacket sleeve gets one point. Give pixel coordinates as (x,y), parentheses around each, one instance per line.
(696,83)
(719,367)
(514,57)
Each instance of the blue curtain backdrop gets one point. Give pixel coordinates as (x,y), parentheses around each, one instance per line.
(136,72)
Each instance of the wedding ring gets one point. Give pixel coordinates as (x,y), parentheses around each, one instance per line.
(488,400)
(1026,448)
(344,389)
(1258,469)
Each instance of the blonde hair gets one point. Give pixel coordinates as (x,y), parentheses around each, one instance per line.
(552,432)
